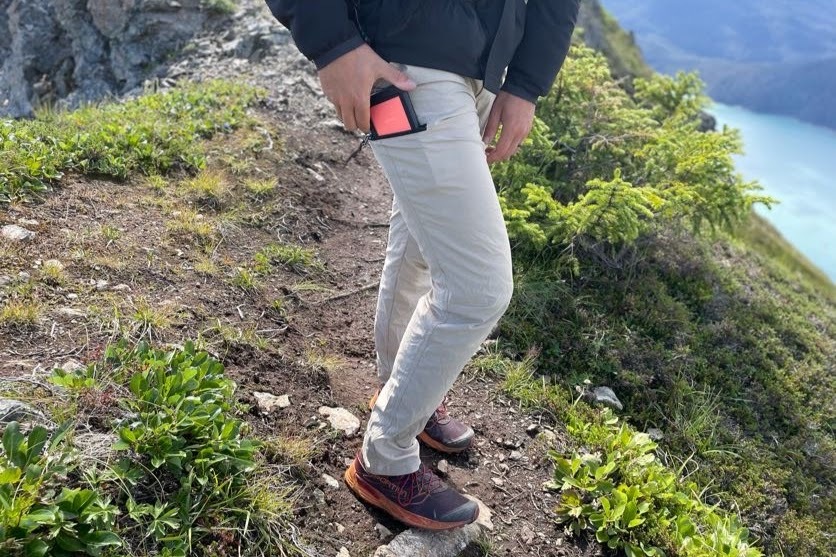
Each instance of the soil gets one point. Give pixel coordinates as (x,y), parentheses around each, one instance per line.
(319,350)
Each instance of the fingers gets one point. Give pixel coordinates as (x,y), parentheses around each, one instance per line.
(396,77)
(361,114)
(492,126)
(346,111)
(509,143)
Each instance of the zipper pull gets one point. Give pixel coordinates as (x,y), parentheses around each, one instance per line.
(356,152)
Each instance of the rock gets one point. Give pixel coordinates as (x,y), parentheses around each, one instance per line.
(655,434)
(339,527)
(319,496)
(15,411)
(121,288)
(343,553)
(341,419)
(515,455)
(527,535)
(382,531)
(71,366)
(5,279)
(533,430)
(443,467)
(16,233)
(427,543)
(498,482)
(330,481)
(269,403)
(548,436)
(71,312)
(74,51)
(606,396)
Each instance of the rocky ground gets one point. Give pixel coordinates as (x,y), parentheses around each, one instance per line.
(114,242)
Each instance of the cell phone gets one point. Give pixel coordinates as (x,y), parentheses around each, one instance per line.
(392,114)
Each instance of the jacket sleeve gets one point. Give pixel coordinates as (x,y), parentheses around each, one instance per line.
(322,29)
(548,35)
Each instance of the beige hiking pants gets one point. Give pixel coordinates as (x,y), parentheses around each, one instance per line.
(447,276)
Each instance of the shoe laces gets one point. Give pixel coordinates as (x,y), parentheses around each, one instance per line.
(415,488)
(440,415)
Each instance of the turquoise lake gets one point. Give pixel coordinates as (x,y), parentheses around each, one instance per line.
(796,164)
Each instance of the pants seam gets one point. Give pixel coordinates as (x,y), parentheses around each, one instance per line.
(443,309)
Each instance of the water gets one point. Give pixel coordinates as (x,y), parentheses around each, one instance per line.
(796,164)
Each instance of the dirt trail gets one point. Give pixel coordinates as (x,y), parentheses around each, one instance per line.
(318,349)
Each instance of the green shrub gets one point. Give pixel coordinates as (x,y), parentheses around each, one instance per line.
(38,514)
(151,134)
(632,502)
(602,169)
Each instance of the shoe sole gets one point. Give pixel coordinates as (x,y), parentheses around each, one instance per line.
(373,497)
(426,439)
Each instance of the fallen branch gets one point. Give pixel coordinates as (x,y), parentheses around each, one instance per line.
(351,293)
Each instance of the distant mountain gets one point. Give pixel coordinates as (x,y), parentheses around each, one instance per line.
(770,56)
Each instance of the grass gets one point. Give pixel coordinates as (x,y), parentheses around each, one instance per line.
(150,321)
(220,6)
(230,335)
(245,279)
(317,358)
(110,233)
(52,272)
(209,188)
(722,347)
(260,190)
(20,314)
(192,226)
(119,138)
(298,259)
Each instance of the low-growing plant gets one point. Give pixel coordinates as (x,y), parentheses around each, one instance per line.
(150,134)
(20,313)
(630,501)
(52,273)
(296,258)
(260,189)
(209,188)
(38,515)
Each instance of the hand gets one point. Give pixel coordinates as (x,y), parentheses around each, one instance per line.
(348,81)
(516,116)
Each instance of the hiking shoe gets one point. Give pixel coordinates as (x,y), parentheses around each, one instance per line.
(443,432)
(420,499)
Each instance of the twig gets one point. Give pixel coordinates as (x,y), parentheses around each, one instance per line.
(351,293)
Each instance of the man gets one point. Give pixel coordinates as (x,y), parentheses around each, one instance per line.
(447,276)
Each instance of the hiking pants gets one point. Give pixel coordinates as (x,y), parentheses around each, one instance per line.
(447,275)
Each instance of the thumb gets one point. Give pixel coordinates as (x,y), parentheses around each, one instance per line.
(397,78)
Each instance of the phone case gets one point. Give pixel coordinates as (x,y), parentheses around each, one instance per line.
(392,114)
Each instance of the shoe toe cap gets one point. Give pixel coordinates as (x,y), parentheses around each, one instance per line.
(466,512)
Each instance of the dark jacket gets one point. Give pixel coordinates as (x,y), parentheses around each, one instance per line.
(473,38)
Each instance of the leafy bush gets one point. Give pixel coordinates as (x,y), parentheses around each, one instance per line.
(38,514)
(150,134)
(601,169)
(632,502)
(187,437)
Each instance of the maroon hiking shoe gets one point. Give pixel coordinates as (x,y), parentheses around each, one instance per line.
(420,499)
(443,432)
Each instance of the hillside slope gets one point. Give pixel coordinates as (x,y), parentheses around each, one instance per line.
(776,57)
(233,214)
